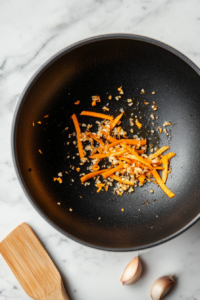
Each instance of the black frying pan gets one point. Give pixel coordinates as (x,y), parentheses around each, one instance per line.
(99,66)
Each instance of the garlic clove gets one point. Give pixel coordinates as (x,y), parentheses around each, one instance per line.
(161,287)
(132,272)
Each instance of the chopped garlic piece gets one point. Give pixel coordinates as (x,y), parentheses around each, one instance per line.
(167,124)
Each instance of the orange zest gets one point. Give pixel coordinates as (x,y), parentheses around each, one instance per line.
(77,102)
(138,124)
(57,179)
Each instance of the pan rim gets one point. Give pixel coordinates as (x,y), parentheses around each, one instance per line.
(21,100)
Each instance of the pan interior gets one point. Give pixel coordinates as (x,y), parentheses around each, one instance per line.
(99,68)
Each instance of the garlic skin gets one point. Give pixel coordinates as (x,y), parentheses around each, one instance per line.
(132,272)
(161,287)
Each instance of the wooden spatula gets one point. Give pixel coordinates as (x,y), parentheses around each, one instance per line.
(31,265)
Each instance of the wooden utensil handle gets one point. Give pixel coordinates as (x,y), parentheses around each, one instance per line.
(58,294)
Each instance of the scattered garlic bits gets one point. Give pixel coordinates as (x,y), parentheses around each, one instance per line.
(154,106)
(110,97)
(152,116)
(142,91)
(165,131)
(95,99)
(105,108)
(167,124)
(125,163)
(160,129)
(131,121)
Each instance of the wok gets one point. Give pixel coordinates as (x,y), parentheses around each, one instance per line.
(98,66)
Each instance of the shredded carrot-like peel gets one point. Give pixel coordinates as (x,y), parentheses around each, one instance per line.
(138,124)
(95,167)
(139,151)
(165,169)
(90,134)
(96,115)
(125,157)
(129,142)
(117,178)
(165,161)
(159,152)
(169,155)
(91,175)
(115,121)
(99,155)
(78,136)
(162,185)
(109,138)
(111,171)
(104,155)
(135,142)
(135,156)
(114,144)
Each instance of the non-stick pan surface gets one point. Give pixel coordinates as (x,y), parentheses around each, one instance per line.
(98,66)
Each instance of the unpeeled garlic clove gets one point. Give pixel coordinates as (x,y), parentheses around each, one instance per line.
(161,287)
(132,272)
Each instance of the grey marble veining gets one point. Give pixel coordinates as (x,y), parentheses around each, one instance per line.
(31,32)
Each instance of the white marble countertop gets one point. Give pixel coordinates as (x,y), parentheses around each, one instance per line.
(31,32)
